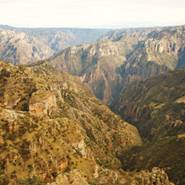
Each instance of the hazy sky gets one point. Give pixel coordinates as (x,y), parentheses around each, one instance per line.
(92,13)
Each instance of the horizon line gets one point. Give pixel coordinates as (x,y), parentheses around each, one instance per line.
(93,27)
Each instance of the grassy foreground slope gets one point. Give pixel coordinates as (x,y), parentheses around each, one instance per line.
(54,132)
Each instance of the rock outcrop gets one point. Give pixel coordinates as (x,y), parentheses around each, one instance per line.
(42,103)
(108,177)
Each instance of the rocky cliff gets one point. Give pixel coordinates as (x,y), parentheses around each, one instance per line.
(124,56)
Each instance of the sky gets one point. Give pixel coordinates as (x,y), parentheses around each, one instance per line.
(92,13)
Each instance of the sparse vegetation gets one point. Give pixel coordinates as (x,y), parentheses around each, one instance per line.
(75,140)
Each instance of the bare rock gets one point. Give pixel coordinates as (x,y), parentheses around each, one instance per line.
(42,103)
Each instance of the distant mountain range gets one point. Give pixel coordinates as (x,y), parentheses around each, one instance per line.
(24,45)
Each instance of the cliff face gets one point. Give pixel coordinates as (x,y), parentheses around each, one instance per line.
(53,131)
(122,57)
(95,64)
(156,107)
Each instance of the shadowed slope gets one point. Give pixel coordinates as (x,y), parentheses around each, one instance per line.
(157,107)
